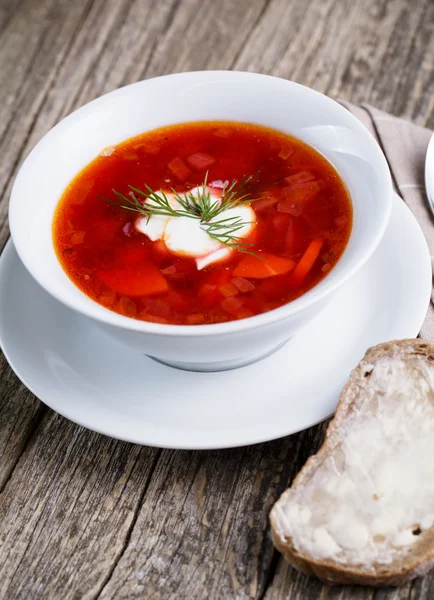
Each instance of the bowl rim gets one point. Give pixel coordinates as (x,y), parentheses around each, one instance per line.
(298,305)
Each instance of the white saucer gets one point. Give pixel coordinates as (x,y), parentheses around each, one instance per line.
(87,377)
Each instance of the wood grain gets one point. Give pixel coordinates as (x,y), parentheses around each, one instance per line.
(20,415)
(68,510)
(203,527)
(83,516)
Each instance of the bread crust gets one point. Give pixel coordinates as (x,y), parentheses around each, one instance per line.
(421,558)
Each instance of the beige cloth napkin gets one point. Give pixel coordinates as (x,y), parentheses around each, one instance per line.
(404,145)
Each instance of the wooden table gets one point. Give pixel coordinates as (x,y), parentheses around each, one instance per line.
(85,516)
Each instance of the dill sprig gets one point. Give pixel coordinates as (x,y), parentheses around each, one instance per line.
(224,231)
(195,206)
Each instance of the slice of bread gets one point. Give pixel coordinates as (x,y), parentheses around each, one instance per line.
(362,509)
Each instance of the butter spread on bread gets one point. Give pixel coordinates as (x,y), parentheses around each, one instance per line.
(362,509)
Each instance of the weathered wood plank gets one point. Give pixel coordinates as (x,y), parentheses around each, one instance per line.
(66,513)
(379,52)
(205,35)
(29,33)
(20,413)
(202,531)
(7,9)
(34,42)
(400,78)
(288,583)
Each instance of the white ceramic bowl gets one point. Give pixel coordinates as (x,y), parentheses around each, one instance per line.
(198,96)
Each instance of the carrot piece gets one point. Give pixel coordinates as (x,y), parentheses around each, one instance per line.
(265,203)
(169,270)
(144,280)
(77,237)
(307,261)
(127,307)
(232,305)
(157,307)
(300,177)
(81,191)
(244,285)
(148,147)
(179,169)
(108,298)
(285,153)
(200,160)
(228,289)
(302,192)
(176,301)
(263,266)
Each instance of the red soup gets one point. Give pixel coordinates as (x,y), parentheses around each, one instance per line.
(202,223)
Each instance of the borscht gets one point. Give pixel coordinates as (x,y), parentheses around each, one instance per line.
(202,223)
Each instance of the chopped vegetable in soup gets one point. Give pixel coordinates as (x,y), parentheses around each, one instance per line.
(202,223)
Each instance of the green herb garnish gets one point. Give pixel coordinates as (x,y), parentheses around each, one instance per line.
(200,206)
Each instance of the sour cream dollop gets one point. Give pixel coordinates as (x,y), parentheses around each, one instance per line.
(185,236)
